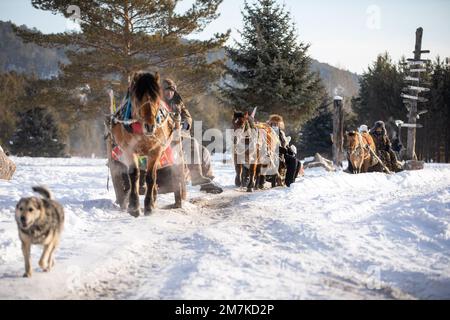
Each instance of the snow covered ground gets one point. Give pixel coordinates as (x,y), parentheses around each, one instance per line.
(331,236)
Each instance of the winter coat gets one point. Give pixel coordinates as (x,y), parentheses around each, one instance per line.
(176,104)
(381,140)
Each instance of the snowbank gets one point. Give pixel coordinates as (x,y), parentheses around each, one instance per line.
(332,236)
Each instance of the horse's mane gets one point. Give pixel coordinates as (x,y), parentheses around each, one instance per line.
(238,114)
(145,83)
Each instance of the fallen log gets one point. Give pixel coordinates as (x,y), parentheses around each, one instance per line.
(320,162)
(7,167)
(414,165)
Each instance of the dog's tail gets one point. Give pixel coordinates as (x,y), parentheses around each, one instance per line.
(43,191)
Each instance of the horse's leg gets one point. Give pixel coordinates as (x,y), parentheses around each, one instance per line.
(365,166)
(238,180)
(150,196)
(260,179)
(179,197)
(133,172)
(179,187)
(251,183)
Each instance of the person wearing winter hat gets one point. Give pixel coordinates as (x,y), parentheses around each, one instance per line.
(384,147)
(199,157)
(363,128)
(176,104)
(287,152)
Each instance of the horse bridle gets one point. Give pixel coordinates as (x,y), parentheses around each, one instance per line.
(175,116)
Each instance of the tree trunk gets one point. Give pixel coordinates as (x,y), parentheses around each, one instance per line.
(7,167)
(413,165)
(320,162)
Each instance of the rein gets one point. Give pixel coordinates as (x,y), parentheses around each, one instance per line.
(357,151)
(163,114)
(166,115)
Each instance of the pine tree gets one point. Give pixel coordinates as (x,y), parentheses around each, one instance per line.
(432,140)
(119,37)
(37,135)
(271,68)
(316,133)
(12,86)
(380,93)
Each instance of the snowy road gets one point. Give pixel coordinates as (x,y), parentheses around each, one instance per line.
(331,236)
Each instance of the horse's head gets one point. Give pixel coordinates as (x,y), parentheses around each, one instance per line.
(240,120)
(145,93)
(352,140)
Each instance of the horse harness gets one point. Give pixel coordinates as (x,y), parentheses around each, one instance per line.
(359,149)
(162,117)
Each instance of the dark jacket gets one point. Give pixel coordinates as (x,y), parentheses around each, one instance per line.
(381,140)
(176,104)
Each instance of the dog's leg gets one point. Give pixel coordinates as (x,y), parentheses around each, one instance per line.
(51,257)
(43,262)
(26,250)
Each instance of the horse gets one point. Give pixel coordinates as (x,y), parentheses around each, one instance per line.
(158,127)
(256,148)
(361,150)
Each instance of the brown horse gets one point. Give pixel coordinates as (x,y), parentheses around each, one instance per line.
(158,128)
(361,149)
(256,151)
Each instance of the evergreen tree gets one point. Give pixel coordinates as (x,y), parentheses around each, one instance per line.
(37,135)
(12,86)
(432,140)
(119,37)
(316,133)
(380,93)
(380,99)
(271,68)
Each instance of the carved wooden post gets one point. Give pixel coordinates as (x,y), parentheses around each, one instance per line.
(412,98)
(338,131)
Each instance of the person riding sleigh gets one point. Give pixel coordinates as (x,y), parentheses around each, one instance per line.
(197,157)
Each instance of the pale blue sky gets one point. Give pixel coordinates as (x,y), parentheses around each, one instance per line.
(345,33)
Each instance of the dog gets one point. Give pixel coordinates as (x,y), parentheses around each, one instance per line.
(40,221)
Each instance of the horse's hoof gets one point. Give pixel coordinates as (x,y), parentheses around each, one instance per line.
(178,206)
(134,212)
(148,212)
(249,190)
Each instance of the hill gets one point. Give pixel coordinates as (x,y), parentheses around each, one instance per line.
(30,58)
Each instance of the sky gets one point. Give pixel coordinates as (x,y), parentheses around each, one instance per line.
(348,34)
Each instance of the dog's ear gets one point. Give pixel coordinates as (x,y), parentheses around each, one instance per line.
(157,77)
